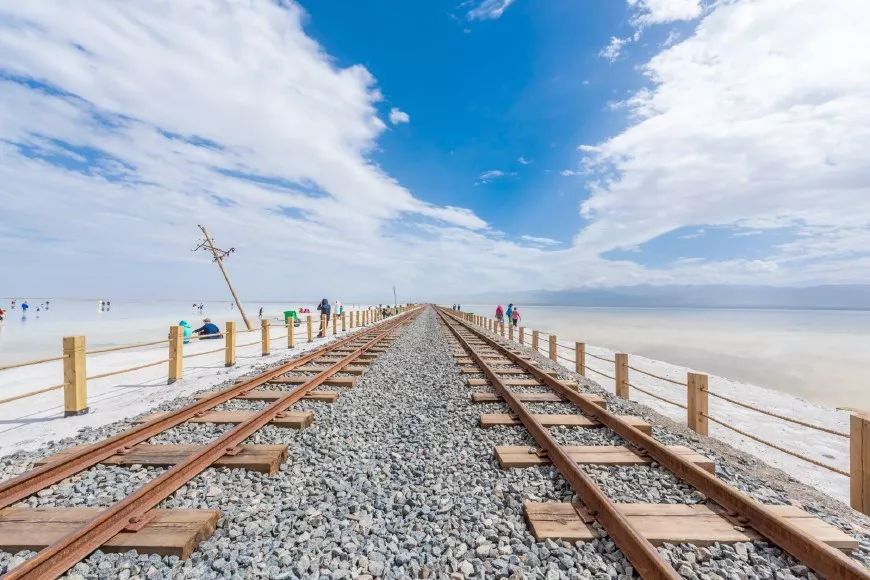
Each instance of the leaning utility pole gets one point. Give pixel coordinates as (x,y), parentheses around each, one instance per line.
(219,256)
(395,300)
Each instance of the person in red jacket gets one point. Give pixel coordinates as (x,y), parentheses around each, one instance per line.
(499,313)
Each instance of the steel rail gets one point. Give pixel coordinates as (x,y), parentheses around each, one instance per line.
(822,558)
(62,555)
(30,482)
(645,558)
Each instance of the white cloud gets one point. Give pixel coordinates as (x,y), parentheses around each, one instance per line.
(397,116)
(540,241)
(761,118)
(523,161)
(487,9)
(568,172)
(613,50)
(664,11)
(494,174)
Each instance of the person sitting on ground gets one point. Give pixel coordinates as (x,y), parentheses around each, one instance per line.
(499,313)
(185,330)
(208,329)
(325,310)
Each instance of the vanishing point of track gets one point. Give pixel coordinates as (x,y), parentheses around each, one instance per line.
(645,558)
(132,512)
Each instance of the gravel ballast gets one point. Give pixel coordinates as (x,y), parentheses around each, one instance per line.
(396,480)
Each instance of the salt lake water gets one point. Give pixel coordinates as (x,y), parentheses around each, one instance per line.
(818,355)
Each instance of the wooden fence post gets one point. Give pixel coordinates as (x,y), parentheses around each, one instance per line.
(697,403)
(310,329)
(535,340)
(230,350)
(859,462)
(522,334)
(553,348)
(344,321)
(291,337)
(264,336)
(176,343)
(75,385)
(621,375)
(510,331)
(502,329)
(334,323)
(580,358)
(324,326)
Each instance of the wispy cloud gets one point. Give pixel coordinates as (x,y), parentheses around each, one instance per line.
(664,11)
(613,50)
(397,116)
(523,161)
(569,173)
(493,175)
(540,241)
(487,9)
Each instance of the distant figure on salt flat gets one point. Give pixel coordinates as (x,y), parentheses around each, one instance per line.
(261,312)
(25,306)
(2,315)
(509,311)
(208,330)
(499,313)
(325,310)
(515,316)
(185,330)
(13,304)
(339,308)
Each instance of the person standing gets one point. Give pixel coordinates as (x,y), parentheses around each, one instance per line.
(499,313)
(515,317)
(509,311)
(261,312)
(325,310)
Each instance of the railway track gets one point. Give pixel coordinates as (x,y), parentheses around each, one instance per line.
(73,536)
(515,379)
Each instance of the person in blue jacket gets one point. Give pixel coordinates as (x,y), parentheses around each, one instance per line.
(185,330)
(208,329)
(325,310)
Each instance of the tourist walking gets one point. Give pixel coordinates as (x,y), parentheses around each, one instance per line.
(515,316)
(509,311)
(325,310)
(499,313)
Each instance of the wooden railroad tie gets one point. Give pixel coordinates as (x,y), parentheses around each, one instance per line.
(348,382)
(556,420)
(508,382)
(168,532)
(262,458)
(269,395)
(355,370)
(535,398)
(286,419)
(516,456)
(475,370)
(698,524)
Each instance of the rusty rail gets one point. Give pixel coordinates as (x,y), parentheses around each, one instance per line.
(59,557)
(639,551)
(28,483)
(823,559)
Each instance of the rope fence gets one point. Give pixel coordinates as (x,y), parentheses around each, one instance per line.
(31,393)
(32,362)
(128,346)
(778,416)
(660,398)
(610,360)
(600,373)
(777,447)
(129,370)
(655,376)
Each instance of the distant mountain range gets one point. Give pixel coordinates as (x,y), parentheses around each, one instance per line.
(837,297)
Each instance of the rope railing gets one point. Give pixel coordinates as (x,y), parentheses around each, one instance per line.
(778,416)
(588,368)
(248,344)
(655,376)
(565,346)
(610,360)
(129,370)
(660,398)
(560,357)
(31,393)
(32,362)
(191,355)
(778,447)
(129,346)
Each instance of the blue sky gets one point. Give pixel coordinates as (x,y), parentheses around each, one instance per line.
(448,147)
